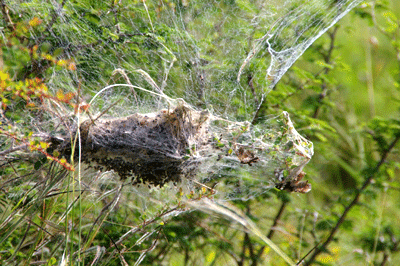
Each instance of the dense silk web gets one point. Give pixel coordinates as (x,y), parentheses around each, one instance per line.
(169,111)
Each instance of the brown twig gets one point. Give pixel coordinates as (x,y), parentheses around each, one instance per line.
(247,244)
(114,11)
(392,250)
(277,218)
(356,199)
(243,255)
(146,223)
(327,58)
(253,257)
(308,253)
(6,16)
(271,231)
(250,82)
(54,18)
(105,111)
(13,149)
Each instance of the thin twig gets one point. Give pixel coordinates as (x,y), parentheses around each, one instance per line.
(243,255)
(250,246)
(250,82)
(54,17)
(146,223)
(17,148)
(6,16)
(272,230)
(106,110)
(356,199)
(327,58)
(40,227)
(277,218)
(392,250)
(308,253)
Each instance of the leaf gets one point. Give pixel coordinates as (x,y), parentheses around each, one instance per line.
(391,21)
(44,145)
(60,95)
(210,257)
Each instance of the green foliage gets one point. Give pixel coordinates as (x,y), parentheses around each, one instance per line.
(60,58)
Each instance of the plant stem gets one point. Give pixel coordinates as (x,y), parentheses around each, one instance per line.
(271,231)
(277,218)
(327,58)
(356,199)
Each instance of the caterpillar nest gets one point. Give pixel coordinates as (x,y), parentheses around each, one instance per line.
(154,148)
(169,145)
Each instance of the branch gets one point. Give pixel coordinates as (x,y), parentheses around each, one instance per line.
(247,242)
(356,199)
(327,59)
(271,232)
(146,223)
(54,17)
(114,11)
(13,149)
(6,16)
(277,218)
(250,82)
(243,255)
(385,258)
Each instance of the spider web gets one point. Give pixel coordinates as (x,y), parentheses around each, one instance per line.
(296,27)
(186,60)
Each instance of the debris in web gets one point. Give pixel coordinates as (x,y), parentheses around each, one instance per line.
(184,143)
(154,148)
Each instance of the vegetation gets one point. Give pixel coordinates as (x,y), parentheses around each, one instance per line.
(343,94)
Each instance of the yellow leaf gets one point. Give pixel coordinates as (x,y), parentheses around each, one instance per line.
(44,145)
(210,257)
(60,95)
(48,57)
(4,76)
(61,62)
(34,22)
